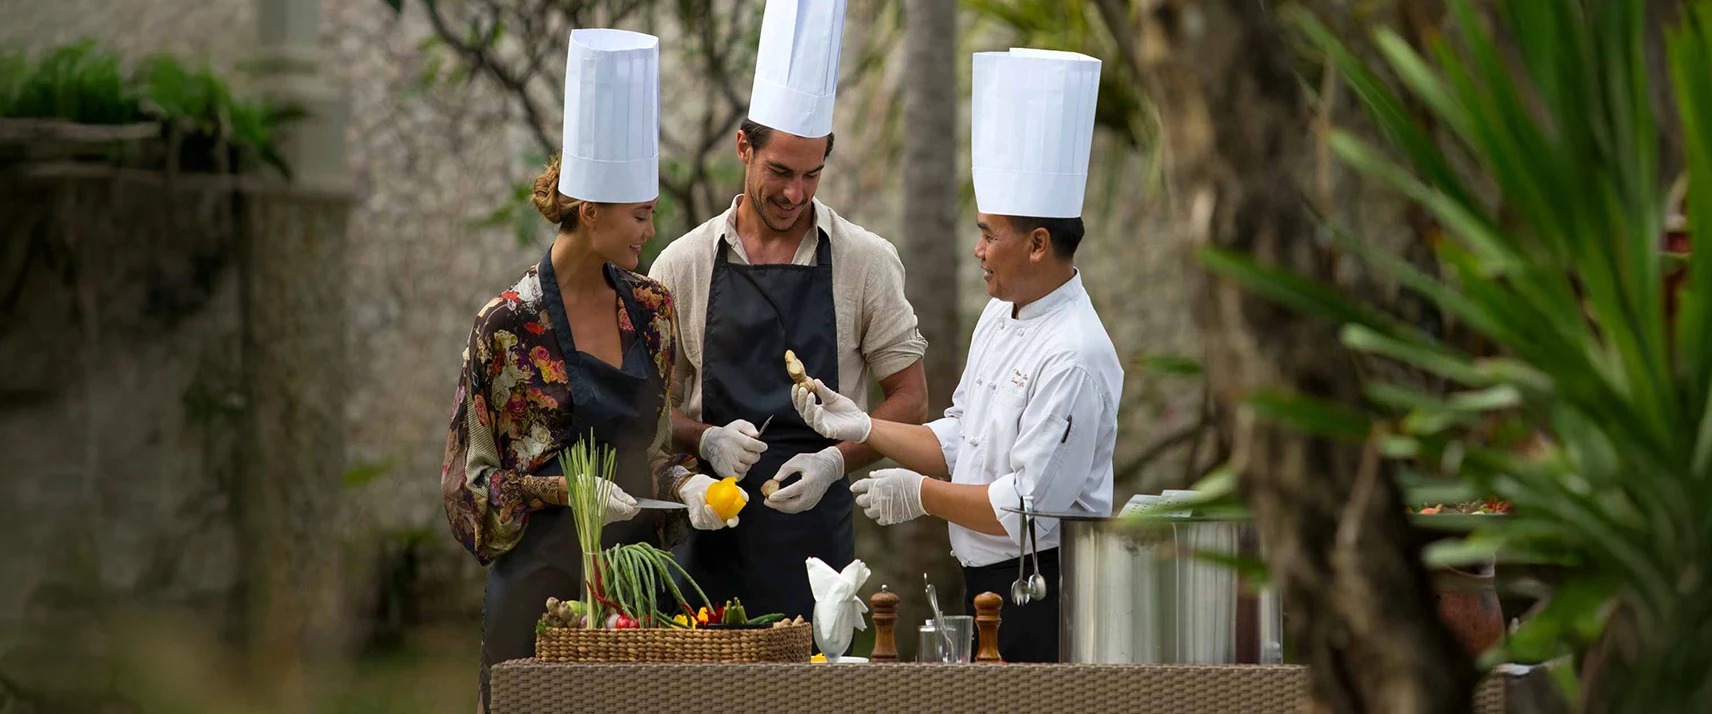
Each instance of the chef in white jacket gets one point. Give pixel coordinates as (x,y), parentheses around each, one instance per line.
(1035,414)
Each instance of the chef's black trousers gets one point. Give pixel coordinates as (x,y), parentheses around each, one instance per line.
(1027,633)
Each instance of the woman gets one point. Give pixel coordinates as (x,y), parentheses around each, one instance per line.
(580,348)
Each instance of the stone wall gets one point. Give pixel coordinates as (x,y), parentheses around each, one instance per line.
(120,410)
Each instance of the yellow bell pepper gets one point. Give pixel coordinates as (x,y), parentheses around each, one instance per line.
(726,498)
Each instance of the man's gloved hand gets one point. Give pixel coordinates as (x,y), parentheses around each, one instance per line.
(834,417)
(693,493)
(819,469)
(733,448)
(890,496)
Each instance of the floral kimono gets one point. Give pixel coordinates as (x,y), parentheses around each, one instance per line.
(514,408)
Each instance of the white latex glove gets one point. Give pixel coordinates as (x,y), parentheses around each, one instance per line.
(620,506)
(732,448)
(819,469)
(694,494)
(890,496)
(834,417)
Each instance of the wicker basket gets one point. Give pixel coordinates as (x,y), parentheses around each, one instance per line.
(784,643)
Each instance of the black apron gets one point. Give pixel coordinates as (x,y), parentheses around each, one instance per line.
(621,408)
(755,313)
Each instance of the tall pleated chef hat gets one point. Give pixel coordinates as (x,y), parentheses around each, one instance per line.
(796,66)
(1033,128)
(612,117)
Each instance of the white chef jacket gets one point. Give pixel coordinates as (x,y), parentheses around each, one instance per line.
(1035,413)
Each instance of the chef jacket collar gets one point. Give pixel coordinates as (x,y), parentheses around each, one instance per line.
(1070,290)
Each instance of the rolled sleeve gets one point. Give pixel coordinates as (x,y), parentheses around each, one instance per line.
(1053,457)
(891,339)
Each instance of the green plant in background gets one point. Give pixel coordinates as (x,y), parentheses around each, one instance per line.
(1596,419)
(1085,27)
(83,84)
(77,82)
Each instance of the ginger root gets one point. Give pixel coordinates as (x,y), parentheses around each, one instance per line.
(794,368)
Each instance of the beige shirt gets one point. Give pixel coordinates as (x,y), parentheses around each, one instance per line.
(877,332)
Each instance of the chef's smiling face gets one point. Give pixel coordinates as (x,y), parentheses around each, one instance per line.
(617,231)
(1006,256)
(781,176)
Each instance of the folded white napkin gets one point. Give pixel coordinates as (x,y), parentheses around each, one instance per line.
(837,609)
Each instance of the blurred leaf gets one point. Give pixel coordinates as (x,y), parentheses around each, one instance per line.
(1253,572)
(1575,613)
(1460,552)
(1292,290)
(396,5)
(1171,365)
(362,473)
(1311,416)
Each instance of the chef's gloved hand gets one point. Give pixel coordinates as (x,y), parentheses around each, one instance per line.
(732,448)
(819,469)
(834,417)
(693,493)
(890,496)
(620,506)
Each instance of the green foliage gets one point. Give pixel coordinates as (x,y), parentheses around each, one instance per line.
(1076,27)
(1596,423)
(1171,365)
(199,102)
(84,84)
(77,82)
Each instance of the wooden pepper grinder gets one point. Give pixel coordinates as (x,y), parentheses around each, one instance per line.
(987,621)
(885,604)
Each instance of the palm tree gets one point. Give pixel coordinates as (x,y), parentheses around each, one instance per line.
(1594,419)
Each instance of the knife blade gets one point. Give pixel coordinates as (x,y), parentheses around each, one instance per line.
(655,503)
(763,429)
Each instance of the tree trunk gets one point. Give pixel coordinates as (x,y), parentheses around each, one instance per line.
(1238,143)
(931,248)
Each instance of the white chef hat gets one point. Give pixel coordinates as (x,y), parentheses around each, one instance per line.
(612,117)
(1033,116)
(796,67)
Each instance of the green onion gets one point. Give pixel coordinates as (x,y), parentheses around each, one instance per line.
(628,578)
(588,485)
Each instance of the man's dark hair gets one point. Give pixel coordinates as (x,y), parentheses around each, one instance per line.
(1066,233)
(759,135)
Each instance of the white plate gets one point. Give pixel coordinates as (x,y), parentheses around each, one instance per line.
(847,660)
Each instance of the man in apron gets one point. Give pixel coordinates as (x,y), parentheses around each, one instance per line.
(1035,415)
(781,271)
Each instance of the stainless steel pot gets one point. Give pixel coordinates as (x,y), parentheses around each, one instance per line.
(1142,596)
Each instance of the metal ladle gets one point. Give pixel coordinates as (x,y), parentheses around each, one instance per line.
(1036,583)
(1020,588)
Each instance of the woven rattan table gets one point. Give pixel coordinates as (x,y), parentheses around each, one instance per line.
(527,686)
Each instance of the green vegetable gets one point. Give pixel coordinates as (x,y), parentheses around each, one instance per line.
(734,614)
(767,619)
(588,483)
